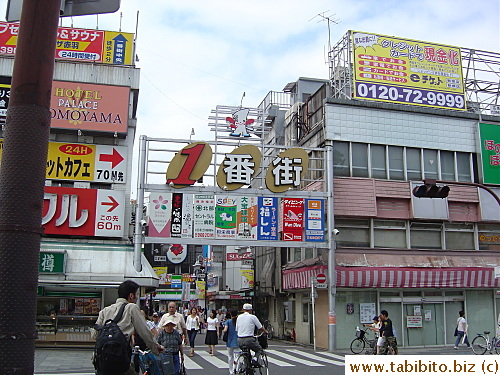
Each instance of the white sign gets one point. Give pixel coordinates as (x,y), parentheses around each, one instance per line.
(495,110)
(177,253)
(204,216)
(414,321)
(110,213)
(160,258)
(321,286)
(367,312)
(417,310)
(428,315)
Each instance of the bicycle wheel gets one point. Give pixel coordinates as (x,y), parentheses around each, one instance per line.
(270,331)
(242,364)
(264,369)
(479,345)
(357,346)
(496,343)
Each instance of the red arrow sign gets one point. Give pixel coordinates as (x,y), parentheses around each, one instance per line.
(321,278)
(113,203)
(115,158)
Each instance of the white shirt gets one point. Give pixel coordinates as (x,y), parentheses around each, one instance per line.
(246,324)
(192,323)
(212,324)
(462,324)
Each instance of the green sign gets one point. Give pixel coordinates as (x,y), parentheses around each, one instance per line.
(51,262)
(490,152)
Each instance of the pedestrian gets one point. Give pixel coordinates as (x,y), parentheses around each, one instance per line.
(232,339)
(375,327)
(156,320)
(212,328)
(461,330)
(246,325)
(178,319)
(132,319)
(387,333)
(192,325)
(171,343)
(221,318)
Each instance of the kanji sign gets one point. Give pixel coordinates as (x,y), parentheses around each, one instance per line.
(204,216)
(225,217)
(52,262)
(286,170)
(246,218)
(160,214)
(83,212)
(490,152)
(267,218)
(238,167)
(292,219)
(315,220)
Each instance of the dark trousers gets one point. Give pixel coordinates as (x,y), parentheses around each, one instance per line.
(192,335)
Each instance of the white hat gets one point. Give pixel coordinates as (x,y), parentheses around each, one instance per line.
(170,320)
(247,306)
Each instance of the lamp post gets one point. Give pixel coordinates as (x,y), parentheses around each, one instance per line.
(200,266)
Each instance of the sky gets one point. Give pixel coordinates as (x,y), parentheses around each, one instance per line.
(197,54)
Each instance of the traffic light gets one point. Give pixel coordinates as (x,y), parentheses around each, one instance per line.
(431,190)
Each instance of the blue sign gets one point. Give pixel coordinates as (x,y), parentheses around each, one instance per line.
(119,50)
(315,220)
(267,227)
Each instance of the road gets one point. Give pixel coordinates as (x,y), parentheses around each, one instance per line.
(283,360)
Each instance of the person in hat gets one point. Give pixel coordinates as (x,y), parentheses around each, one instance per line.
(375,327)
(246,324)
(156,320)
(171,343)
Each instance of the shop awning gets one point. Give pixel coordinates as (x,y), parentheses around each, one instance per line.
(300,278)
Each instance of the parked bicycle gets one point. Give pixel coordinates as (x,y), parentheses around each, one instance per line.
(270,330)
(361,342)
(244,363)
(481,343)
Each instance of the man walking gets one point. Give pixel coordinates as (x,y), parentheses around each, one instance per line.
(178,318)
(386,331)
(132,319)
(246,324)
(461,330)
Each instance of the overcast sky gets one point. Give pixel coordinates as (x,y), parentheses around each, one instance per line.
(194,55)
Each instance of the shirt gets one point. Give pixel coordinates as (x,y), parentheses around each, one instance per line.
(132,320)
(246,324)
(212,324)
(170,341)
(232,336)
(192,323)
(179,320)
(462,324)
(386,328)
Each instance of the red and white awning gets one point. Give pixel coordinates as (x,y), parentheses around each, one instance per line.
(396,277)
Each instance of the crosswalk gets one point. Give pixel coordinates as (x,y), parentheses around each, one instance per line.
(281,357)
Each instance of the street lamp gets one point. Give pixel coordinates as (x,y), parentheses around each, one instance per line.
(200,269)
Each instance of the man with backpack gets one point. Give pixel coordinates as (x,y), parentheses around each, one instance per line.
(114,328)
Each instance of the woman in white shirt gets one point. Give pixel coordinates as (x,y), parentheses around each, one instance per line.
(461,330)
(192,326)
(211,339)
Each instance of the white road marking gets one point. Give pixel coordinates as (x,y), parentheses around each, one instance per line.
(316,357)
(294,359)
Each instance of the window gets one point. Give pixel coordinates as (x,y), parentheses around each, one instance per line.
(463,167)
(396,163)
(309,253)
(378,161)
(425,236)
(459,236)
(431,164)
(447,166)
(341,159)
(389,233)
(297,254)
(353,233)
(413,167)
(359,160)
(305,312)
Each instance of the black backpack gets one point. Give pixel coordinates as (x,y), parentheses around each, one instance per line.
(112,351)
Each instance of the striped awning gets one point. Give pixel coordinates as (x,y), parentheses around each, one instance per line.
(397,277)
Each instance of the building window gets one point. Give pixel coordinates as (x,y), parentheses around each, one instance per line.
(413,166)
(425,236)
(447,166)
(353,233)
(396,171)
(309,253)
(305,312)
(297,254)
(459,236)
(431,164)
(359,160)
(341,159)
(389,233)
(463,167)
(378,161)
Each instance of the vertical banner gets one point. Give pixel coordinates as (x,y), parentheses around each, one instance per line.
(160,214)
(225,217)
(161,272)
(200,289)
(187,216)
(315,223)
(186,291)
(247,279)
(490,152)
(176,226)
(247,218)
(204,216)
(293,219)
(267,228)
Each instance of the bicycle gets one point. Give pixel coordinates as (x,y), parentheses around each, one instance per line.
(244,363)
(361,341)
(147,361)
(482,343)
(267,325)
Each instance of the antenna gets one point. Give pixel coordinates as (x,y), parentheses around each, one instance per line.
(97,21)
(121,17)
(241,102)
(329,20)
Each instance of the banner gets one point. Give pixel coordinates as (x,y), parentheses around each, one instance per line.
(187,216)
(247,279)
(247,218)
(315,220)
(200,289)
(490,152)
(406,71)
(204,216)
(160,214)
(292,219)
(267,219)
(225,217)
(161,272)
(176,226)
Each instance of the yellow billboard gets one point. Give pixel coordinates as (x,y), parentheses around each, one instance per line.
(406,71)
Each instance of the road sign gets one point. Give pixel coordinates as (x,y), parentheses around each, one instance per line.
(321,278)
(68,8)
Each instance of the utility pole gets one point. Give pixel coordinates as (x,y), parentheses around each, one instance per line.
(22,181)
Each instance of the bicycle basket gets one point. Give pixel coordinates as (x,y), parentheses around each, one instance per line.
(263,341)
(360,334)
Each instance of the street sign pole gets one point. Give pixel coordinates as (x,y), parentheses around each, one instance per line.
(313,312)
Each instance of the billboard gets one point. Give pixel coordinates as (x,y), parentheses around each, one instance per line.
(85,162)
(489,135)
(268,218)
(406,71)
(292,219)
(160,214)
(83,212)
(97,46)
(315,220)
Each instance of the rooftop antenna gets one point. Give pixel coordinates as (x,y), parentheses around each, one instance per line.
(241,102)
(97,21)
(120,28)
(328,20)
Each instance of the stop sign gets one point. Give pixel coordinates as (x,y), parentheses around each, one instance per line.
(321,278)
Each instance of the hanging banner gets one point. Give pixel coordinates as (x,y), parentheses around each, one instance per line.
(315,220)
(204,216)
(160,214)
(200,289)
(187,216)
(267,219)
(292,210)
(186,291)
(225,217)
(161,272)
(490,152)
(176,226)
(247,279)
(247,218)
